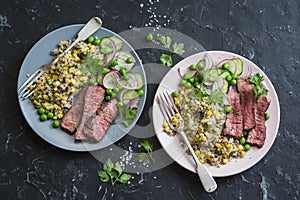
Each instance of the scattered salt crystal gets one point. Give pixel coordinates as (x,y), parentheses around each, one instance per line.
(154,177)
(141,5)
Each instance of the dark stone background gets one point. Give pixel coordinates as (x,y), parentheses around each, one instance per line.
(266,32)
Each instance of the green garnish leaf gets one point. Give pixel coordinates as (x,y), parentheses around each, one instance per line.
(178,48)
(165,41)
(166,60)
(124,178)
(104,177)
(92,65)
(143,158)
(113,172)
(146,145)
(258,88)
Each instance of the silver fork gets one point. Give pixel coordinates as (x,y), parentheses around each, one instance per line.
(169,110)
(92,26)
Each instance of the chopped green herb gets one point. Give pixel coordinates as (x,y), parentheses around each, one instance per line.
(258,88)
(146,149)
(166,60)
(113,172)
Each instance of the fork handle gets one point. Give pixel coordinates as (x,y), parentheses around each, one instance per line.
(91,27)
(206,178)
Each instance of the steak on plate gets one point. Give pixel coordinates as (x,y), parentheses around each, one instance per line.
(257,135)
(96,126)
(234,121)
(92,100)
(72,118)
(247,102)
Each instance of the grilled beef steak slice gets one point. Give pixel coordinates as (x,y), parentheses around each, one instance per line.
(247,102)
(257,135)
(234,121)
(97,125)
(92,100)
(72,118)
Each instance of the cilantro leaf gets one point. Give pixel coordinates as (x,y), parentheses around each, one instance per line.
(146,146)
(178,48)
(165,41)
(118,168)
(108,165)
(166,60)
(143,157)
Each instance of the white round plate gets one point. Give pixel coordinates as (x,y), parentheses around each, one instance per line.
(173,145)
(38,55)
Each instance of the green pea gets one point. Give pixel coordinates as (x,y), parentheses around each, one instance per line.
(175,94)
(41,111)
(113,95)
(228,78)
(126,76)
(121,104)
(183,82)
(225,66)
(92,81)
(191,80)
(186,76)
(114,63)
(43,117)
(116,90)
(109,91)
(234,76)
(188,85)
(245,133)
(242,140)
(122,71)
(129,60)
(193,67)
(201,64)
(107,98)
(196,84)
(90,39)
(247,147)
(55,124)
(96,41)
(49,115)
(140,92)
(105,70)
(149,37)
(233,82)
(228,109)
(267,116)
(133,111)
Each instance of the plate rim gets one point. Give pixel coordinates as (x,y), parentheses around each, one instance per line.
(277,104)
(83,147)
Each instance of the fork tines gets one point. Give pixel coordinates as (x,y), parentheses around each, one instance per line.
(23,89)
(166,105)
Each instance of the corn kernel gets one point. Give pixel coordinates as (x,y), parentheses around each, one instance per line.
(203,138)
(225,161)
(173,119)
(65,72)
(197,136)
(56,94)
(177,115)
(60,116)
(31,87)
(240,147)
(165,125)
(201,161)
(68,81)
(73,82)
(197,152)
(209,113)
(45,96)
(55,106)
(70,70)
(243,153)
(35,102)
(55,117)
(166,129)
(185,107)
(228,145)
(218,145)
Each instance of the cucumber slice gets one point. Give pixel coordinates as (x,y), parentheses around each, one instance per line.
(106,45)
(131,94)
(232,66)
(140,80)
(222,84)
(239,66)
(225,73)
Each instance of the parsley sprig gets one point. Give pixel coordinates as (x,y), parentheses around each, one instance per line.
(258,88)
(113,172)
(174,48)
(146,149)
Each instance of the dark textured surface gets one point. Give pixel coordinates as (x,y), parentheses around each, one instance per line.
(266,32)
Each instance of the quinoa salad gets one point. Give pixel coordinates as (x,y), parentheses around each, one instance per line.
(223,108)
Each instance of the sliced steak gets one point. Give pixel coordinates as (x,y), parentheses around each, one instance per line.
(92,100)
(247,102)
(257,135)
(97,125)
(72,118)
(234,121)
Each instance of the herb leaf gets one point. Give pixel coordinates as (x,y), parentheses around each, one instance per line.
(166,60)
(104,177)
(258,88)
(118,168)
(146,149)
(143,157)
(124,178)
(146,146)
(165,41)
(178,48)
